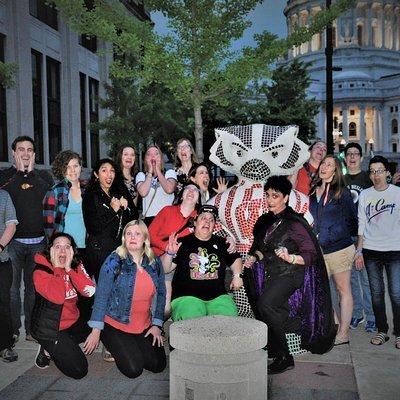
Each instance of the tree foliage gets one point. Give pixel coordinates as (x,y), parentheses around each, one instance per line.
(7,72)
(140,115)
(194,61)
(286,100)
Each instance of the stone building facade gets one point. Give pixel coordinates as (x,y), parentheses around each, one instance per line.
(366,83)
(60,77)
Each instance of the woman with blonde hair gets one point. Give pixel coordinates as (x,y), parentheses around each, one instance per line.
(335,222)
(155,187)
(128,312)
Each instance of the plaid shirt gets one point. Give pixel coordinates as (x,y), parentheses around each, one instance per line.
(55,205)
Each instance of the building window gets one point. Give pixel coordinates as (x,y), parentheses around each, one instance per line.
(82,78)
(36,61)
(3,111)
(395,127)
(340,126)
(352,129)
(44,12)
(360,41)
(394,147)
(352,112)
(396,108)
(94,117)
(391,109)
(54,107)
(351,84)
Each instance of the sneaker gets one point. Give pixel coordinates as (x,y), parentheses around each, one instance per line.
(42,358)
(355,322)
(370,327)
(9,355)
(107,356)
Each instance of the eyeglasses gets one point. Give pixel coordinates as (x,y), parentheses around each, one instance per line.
(377,171)
(355,154)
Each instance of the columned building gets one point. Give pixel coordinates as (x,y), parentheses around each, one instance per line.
(59,80)
(366,77)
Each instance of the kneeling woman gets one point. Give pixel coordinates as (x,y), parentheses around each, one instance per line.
(58,277)
(128,311)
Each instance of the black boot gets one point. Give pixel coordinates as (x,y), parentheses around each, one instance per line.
(281,364)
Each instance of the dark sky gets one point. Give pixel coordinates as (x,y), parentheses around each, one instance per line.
(267,16)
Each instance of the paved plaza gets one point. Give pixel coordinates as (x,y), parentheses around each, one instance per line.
(348,372)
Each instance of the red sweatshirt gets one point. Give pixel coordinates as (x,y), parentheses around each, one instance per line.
(168,220)
(61,288)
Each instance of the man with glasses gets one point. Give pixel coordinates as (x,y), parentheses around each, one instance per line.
(358,180)
(378,246)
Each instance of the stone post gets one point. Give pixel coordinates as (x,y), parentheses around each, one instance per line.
(218,357)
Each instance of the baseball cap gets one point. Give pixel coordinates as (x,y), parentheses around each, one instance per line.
(208,208)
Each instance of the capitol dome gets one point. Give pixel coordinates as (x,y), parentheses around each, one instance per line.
(366,77)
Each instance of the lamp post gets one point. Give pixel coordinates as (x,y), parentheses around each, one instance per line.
(329,88)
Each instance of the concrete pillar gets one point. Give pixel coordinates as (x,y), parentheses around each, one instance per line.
(369,26)
(361,124)
(18,50)
(345,123)
(382,25)
(321,124)
(218,357)
(386,130)
(376,127)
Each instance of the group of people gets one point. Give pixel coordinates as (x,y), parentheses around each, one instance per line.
(94,271)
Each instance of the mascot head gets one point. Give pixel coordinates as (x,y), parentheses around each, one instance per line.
(258,151)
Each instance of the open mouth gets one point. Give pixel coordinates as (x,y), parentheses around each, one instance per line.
(62,259)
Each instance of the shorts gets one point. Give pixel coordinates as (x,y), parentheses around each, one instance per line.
(340,261)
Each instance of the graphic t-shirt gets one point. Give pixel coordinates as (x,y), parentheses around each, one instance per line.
(357,183)
(379,218)
(200,267)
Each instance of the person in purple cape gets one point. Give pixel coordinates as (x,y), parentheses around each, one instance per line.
(290,290)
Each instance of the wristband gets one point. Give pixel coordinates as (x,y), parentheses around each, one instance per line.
(237,275)
(171,254)
(293,261)
(359,253)
(2,247)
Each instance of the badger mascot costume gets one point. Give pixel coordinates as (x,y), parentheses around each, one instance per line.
(253,153)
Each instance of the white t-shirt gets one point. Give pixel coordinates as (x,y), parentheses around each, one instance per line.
(379,218)
(161,199)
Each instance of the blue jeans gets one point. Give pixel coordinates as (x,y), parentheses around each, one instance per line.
(361,295)
(375,261)
(23,265)
(6,332)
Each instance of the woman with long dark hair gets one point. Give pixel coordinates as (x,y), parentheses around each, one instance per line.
(335,222)
(56,324)
(126,158)
(185,158)
(107,208)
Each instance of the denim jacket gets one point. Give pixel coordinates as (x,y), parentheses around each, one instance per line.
(116,286)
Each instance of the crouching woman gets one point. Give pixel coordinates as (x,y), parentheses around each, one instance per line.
(128,311)
(57,278)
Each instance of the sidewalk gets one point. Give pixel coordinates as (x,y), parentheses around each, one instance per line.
(359,371)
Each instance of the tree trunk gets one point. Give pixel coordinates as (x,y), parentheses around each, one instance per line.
(198,129)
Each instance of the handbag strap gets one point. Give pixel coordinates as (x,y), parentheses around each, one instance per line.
(151,202)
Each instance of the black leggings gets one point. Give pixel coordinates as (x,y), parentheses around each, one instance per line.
(133,352)
(66,353)
(273,308)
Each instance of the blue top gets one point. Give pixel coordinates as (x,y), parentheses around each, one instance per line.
(335,222)
(116,286)
(73,222)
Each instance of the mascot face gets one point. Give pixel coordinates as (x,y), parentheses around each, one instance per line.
(255,152)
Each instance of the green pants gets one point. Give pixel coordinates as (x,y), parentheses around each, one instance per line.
(189,307)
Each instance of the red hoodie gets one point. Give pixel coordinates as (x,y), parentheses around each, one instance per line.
(61,288)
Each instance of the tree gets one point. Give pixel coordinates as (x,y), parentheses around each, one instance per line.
(286,100)
(7,72)
(195,61)
(141,114)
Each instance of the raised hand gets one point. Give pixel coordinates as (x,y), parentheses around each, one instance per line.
(222,185)
(115,204)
